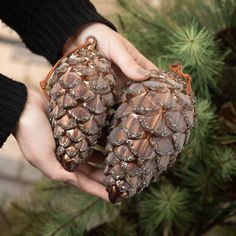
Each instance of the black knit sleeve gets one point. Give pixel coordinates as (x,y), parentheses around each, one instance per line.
(13,96)
(45,25)
(59,19)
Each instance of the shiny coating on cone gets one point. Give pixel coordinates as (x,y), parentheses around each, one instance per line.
(150,128)
(81,93)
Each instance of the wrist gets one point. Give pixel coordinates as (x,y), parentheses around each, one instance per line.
(13,96)
(34,100)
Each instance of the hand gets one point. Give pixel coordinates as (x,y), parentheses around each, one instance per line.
(115,48)
(34,136)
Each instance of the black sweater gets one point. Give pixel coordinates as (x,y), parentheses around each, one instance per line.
(44,26)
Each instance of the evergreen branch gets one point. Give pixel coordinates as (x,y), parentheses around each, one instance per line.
(121,22)
(134,11)
(206,187)
(26,212)
(31,216)
(205,125)
(26,228)
(120,227)
(206,176)
(226,139)
(217,219)
(73,218)
(4,217)
(223,162)
(165,230)
(166,206)
(197,49)
(57,187)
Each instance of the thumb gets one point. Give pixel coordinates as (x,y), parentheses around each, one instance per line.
(127,64)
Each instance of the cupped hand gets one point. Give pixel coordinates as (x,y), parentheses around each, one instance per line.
(33,131)
(115,48)
(34,136)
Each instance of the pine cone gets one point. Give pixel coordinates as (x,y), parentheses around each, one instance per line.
(150,128)
(80,94)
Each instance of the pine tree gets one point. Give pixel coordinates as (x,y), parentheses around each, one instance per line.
(198,194)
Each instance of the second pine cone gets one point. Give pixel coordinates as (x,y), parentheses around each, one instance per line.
(151,126)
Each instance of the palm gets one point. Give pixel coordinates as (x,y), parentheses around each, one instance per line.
(35,139)
(33,131)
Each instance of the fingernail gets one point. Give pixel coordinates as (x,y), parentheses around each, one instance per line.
(143,72)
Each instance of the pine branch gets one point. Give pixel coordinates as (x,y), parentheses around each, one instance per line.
(26,211)
(197,50)
(219,217)
(206,186)
(202,133)
(32,216)
(133,7)
(5,218)
(120,227)
(56,188)
(73,218)
(206,176)
(223,162)
(165,230)
(164,207)
(26,229)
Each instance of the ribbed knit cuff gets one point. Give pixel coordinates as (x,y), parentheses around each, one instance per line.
(53,21)
(13,97)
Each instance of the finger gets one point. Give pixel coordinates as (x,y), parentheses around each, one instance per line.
(139,58)
(91,172)
(46,107)
(89,186)
(77,179)
(143,61)
(126,63)
(38,147)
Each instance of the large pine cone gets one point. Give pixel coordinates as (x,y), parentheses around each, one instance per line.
(151,127)
(81,93)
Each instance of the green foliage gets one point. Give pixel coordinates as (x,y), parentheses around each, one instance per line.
(118,227)
(164,208)
(204,128)
(223,164)
(53,226)
(207,176)
(201,34)
(170,37)
(58,210)
(196,49)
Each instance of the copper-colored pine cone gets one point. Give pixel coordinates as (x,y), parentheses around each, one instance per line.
(150,128)
(80,95)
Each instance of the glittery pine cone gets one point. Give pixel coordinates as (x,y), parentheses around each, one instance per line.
(150,129)
(81,91)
